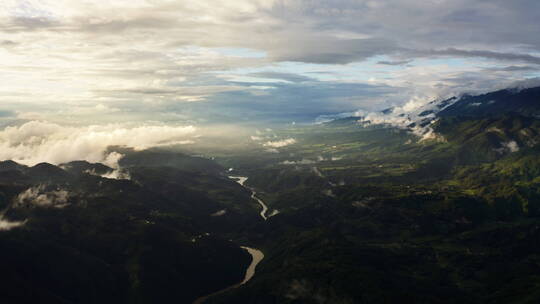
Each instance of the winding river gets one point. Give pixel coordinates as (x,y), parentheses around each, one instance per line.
(241,180)
(256,255)
(256,258)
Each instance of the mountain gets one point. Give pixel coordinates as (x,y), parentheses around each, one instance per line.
(11,171)
(81,167)
(481,127)
(9,165)
(372,210)
(524,102)
(486,139)
(164,158)
(45,172)
(440,205)
(82,238)
(512,101)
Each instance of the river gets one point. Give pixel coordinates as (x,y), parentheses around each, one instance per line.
(241,180)
(256,255)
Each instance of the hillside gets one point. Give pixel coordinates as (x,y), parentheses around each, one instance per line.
(360,213)
(88,239)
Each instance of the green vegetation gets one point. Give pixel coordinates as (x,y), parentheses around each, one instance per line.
(367,214)
(122,241)
(373,215)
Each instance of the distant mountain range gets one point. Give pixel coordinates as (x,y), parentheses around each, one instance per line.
(505,120)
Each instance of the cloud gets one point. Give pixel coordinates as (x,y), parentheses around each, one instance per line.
(290,77)
(454,52)
(117,173)
(417,115)
(298,162)
(6,225)
(280,143)
(39,196)
(7,43)
(112,160)
(4,114)
(82,62)
(219,213)
(525,84)
(38,141)
(397,62)
(332,50)
(508,147)
(513,68)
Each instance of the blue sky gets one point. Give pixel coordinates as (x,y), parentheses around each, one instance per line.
(253,62)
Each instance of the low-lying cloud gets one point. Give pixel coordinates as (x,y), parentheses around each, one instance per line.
(112,161)
(508,147)
(219,213)
(38,141)
(39,196)
(298,162)
(6,225)
(280,143)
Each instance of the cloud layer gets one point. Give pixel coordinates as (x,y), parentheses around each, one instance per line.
(252,60)
(36,141)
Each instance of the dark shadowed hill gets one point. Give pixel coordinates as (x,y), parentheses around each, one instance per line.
(88,239)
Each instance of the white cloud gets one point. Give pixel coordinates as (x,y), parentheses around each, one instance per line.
(37,141)
(280,143)
(6,225)
(219,213)
(39,197)
(117,174)
(508,147)
(298,162)
(101,60)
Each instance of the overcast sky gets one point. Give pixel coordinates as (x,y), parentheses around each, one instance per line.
(204,61)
